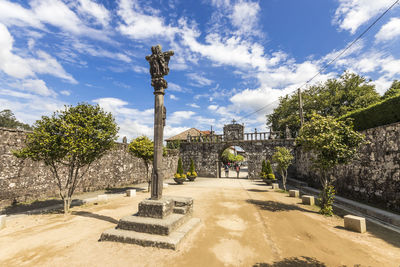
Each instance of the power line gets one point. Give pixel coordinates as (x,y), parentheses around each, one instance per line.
(330,62)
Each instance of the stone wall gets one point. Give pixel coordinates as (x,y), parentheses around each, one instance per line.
(25,180)
(372,178)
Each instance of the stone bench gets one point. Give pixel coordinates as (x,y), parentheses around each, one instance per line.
(2,221)
(275,186)
(308,200)
(131,192)
(294,193)
(355,223)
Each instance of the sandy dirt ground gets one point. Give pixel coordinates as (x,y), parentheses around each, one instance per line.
(244,223)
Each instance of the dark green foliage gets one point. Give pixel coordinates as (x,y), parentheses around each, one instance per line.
(174,144)
(264,166)
(326,198)
(393,90)
(179,170)
(335,97)
(191,169)
(268,168)
(8,120)
(70,140)
(384,112)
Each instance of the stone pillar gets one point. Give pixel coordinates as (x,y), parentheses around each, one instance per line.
(157,179)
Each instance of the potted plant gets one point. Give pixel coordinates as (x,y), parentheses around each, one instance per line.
(179,177)
(191,174)
(267,175)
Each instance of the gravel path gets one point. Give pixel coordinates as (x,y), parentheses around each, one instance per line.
(244,223)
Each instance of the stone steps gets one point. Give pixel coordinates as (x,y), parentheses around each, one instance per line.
(150,240)
(152,225)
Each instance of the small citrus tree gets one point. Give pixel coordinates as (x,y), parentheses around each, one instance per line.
(143,148)
(332,143)
(68,142)
(283,158)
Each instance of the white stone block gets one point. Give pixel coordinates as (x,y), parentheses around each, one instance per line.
(294,193)
(2,221)
(308,200)
(131,192)
(275,186)
(102,197)
(355,223)
(165,185)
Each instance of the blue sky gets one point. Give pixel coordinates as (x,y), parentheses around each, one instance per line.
(231,57)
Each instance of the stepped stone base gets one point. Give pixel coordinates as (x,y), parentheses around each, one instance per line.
(149,240)
(159,223)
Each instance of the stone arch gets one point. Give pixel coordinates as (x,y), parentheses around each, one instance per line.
(206,154)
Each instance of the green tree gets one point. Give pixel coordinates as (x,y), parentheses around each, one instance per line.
(69,142)
(238,158)
(283,158)
(143,148)
(393,90)
(334,98)
(227,156)
(8,120)
(332,143)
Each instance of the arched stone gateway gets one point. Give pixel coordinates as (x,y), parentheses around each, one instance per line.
(206,150)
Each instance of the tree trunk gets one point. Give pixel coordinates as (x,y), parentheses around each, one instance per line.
(66,205)
(283,180)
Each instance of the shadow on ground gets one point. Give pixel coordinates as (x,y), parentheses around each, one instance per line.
(49,206)
(95,216)
(257,190)
(294,261)
(276,206)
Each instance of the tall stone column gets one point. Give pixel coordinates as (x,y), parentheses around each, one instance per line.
(158,61)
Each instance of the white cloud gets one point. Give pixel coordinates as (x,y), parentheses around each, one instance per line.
(65,92)
(19,67)
(35,86)
(95,10)
(53,12)
(138,25)
(199,80)
(245,17)
(351,14)
(173,97)
(193,105)
(178,117)
(175,87)
(100,52)
(389,31)
(140,69)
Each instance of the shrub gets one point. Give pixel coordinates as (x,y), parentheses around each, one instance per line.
(268,168)
(271,176)
(381,113)
(179,170)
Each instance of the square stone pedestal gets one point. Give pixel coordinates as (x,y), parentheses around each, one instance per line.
(275,186)
(159,223)
(308,200)
(294,193)
(355,223)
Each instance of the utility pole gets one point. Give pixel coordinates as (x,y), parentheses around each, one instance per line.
(301,109)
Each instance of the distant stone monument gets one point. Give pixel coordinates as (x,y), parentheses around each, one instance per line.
(158,61)
(233,131)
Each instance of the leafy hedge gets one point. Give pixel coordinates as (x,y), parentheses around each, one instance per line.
(380,113)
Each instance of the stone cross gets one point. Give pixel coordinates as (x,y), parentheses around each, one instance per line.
(158,61)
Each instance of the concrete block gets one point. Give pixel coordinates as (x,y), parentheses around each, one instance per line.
(131,192)
(275,186)
(2,221)
(102,197)
(355,223)
(294,193)
(308,200)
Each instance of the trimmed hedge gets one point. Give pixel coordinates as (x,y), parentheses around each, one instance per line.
(381,113)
